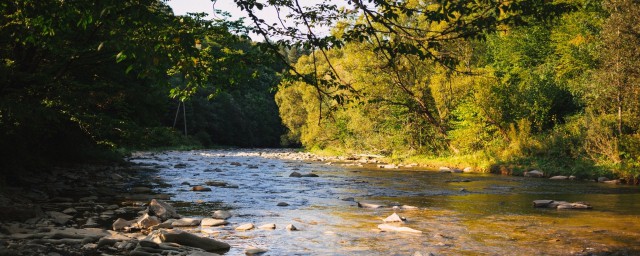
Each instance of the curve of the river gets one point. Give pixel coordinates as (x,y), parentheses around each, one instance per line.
(458,214)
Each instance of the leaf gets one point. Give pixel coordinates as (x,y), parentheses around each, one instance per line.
(100,46)
(120,57)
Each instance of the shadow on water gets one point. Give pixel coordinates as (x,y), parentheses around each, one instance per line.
(459,214)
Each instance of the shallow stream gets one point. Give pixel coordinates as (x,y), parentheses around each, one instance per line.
(458,214)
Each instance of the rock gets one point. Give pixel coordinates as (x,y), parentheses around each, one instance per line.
(388,227)
(90,247)
(180,166)
(295,174)
(542,203)
(576,205)
(602,179)
(268,226)
(291,227)
(162,210)
(572,177)
(188,239)
(121,224)
(348,199)
(213,222)
(612,182)
(534,173)
(147,221)
(368,205)
(560,204)
(200,188)
(254,250)
(245,227)
(198,253)
(70,211)
(408,207)
(310,175)
(91,223)
(444,169)
(394,218)
(222,215)
(559,177)
(467,169)
(186,222)
(185,183)
(148,243)
(216,183)
(388,166)
(463,190)
(282,204)
(59,218)
(456,170)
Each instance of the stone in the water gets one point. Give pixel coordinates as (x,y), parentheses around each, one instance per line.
(295,174)
(576,205)
(216,183)
(560,204)
(291,227)
(185,183)
(200,188)
(602,179)
(213,222)
(559,177)
(180,166)
(394,218)
(348,199)
(268,226)
(254,250)
(245,227)
(162,210)
(408,207)
(186,222)
(220,214)
(282,204)
(368,205)
(534,173)
(467,169)
(444,169)
(388,227)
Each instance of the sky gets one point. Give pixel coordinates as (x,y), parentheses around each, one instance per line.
(182,7)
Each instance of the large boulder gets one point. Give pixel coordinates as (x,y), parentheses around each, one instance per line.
(188,239)
(162,210)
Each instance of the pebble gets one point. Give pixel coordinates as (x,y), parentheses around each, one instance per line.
(245,227)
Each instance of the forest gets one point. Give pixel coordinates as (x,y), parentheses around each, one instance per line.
(504,86)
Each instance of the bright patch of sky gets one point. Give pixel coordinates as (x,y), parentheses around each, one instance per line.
(269,14)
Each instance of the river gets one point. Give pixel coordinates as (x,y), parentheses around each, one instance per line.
(458,214)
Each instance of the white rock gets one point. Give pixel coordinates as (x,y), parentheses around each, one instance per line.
(394,218)
(388,227)
(291,227)
(559,177)
(245,227)
(368,205)
(268,226)
(213,222)
(121,224)
(534,173)
(147,221)
(254,250)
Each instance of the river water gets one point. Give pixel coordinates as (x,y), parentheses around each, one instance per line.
(493,215)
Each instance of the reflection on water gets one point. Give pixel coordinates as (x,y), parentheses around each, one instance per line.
(459,214)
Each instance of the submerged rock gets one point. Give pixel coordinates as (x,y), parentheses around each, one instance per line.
(291,227)
(254,250)
(282,204)
(559,177)
(200,188)
(388,227)
(560,204)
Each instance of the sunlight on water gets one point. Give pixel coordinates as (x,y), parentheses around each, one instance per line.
(493,215)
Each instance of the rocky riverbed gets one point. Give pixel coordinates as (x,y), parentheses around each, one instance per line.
(282,202)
